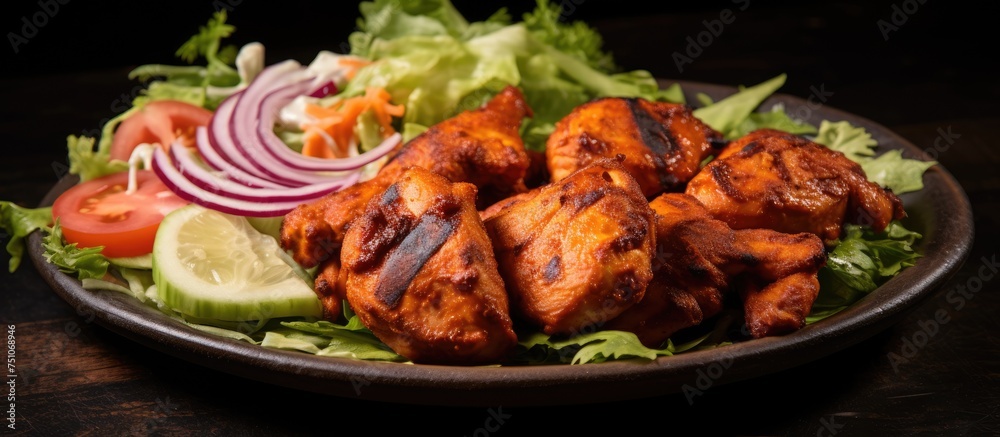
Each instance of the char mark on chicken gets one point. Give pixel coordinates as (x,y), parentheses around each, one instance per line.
(663,143)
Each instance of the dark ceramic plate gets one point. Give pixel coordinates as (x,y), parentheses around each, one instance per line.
(940,211)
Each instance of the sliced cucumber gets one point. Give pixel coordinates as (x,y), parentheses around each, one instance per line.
(211,265)
(134,262)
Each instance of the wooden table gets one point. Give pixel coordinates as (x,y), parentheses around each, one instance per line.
(929,79)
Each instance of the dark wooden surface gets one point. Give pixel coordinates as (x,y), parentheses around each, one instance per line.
(935,73)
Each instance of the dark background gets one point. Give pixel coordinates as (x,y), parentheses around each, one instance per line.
(839,44)
(938,65)
(937,71)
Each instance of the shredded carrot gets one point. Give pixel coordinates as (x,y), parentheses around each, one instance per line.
(315,145)
(354,64)
(333,131)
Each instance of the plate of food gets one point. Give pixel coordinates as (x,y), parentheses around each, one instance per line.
(487,214)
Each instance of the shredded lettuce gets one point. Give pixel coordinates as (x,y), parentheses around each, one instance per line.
(427,57)
(390,19)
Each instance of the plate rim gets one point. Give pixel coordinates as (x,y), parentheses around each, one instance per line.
(549,384)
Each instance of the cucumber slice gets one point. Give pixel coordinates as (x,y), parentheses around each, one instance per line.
(212,265)
(134,262)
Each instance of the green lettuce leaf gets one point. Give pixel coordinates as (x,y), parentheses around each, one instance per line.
(897,173)
(190,83)
(862,261)
(576,38)
(436,67)
(855,142)
(215,330)
(728,114)
(17,223)
(133,282)
(595,347)
(206,43)
(159,90)
(84,263)
(776,118)
(351,340)
(890,170)
(89,162)
(289,341)
(392,19)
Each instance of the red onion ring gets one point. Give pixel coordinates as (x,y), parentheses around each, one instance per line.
(189,166)
(187,190)
(210,155)
(268,110)
(255,173)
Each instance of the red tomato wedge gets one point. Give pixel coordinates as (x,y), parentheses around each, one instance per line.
(160,121)
(98,212)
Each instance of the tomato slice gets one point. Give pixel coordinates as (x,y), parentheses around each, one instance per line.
(98,212)
(160,121)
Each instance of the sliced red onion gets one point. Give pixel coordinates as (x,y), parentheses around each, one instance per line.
(211,157)
(189,167)
(273,89)
(187,190)
(244,168)
(223,141)
(268,111)
(246,119)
